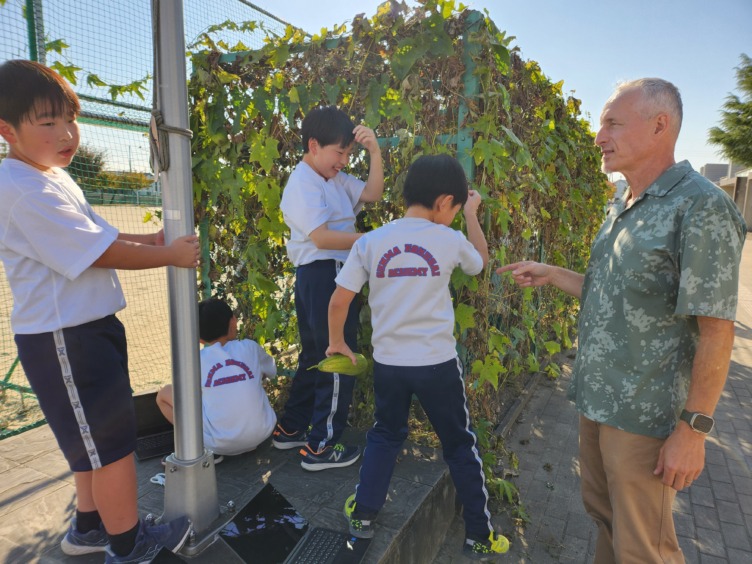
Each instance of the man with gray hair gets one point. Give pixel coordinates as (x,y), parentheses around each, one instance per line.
(656,326)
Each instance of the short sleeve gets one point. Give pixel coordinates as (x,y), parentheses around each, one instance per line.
(266,362)
(711,239)
(470,261)
(308,211)
(354,188)
(353,275)
(59,235)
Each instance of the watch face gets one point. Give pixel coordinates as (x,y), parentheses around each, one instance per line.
(702,423)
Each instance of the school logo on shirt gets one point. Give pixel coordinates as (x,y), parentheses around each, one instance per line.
(214,380)
(431,265)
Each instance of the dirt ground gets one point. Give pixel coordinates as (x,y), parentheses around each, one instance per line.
(146,319)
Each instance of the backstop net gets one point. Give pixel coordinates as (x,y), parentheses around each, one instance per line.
(104,48)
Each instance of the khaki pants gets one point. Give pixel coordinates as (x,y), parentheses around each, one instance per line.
(630,506)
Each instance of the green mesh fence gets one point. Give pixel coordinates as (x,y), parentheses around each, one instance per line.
(107,46)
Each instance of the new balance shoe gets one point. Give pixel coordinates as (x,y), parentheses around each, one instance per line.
(358,525)
(283,440)
(151,539)
(486,550)
(75,543)
(336,456)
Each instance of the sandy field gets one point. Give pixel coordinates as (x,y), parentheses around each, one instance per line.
(146,319)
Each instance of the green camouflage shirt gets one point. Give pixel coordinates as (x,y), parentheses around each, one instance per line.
(653,267)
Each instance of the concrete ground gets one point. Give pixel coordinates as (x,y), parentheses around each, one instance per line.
(714,517)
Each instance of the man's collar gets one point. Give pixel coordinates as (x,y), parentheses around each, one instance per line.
(670,178)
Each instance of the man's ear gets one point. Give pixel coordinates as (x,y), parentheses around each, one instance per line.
(661,124)
(7,131)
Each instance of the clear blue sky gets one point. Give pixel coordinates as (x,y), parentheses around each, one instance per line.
(592,45)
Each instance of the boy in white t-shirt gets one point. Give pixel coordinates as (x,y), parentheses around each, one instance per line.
(408,264)
(59,258)
(237,415)
(319,205)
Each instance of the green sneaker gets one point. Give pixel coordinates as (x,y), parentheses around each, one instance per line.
(361,528)
(487,550)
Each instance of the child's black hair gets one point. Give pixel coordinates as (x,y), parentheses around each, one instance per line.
(431,176)
(327,125)
(214,317)
(27,88)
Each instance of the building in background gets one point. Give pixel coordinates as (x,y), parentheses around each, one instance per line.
(736,181)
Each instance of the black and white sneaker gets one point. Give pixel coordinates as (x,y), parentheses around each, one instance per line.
(337,456)
(283,440)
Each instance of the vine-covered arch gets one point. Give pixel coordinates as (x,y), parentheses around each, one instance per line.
(429,80)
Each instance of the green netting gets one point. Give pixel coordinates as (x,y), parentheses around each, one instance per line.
(111,43)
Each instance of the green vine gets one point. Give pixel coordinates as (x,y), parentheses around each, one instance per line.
(401,72)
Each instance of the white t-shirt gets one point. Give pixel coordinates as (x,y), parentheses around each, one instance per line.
(310,201)
(49,238)
(237,413)
(407,264)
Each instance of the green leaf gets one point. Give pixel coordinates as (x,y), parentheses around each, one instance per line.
(463,315)
(407,54)
(94,80)
(264,151)
(497,341)
(552,347)
(68,72)
(488,370)
(56,46)
(332,92)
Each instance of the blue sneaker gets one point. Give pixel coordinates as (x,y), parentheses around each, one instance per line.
(359,527)
(336,456)
(151,539)
(76,544)
(283,440)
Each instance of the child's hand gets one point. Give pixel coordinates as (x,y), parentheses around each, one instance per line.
(341,348)
(473,202)
(186,251)
(366,137)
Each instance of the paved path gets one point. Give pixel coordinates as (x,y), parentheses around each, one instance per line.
(713,518)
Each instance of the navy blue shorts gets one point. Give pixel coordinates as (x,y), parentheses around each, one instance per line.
(80,377)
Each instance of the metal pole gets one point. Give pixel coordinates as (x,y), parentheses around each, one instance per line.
(35,31)
(191,486)
(470,93)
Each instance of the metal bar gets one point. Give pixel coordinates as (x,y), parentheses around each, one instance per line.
(35,30)
(471,89)
(114,103)
(117,122)
(191,485)
(203,233)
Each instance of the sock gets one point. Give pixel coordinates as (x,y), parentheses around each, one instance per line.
(87,521)
(122,544)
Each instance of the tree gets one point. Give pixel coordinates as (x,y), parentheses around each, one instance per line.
(86,167)
(734,134)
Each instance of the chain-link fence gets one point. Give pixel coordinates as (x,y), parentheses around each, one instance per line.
(105,47)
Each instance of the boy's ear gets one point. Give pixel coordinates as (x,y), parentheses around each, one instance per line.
(445,201)
(313,145)
(7,131)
